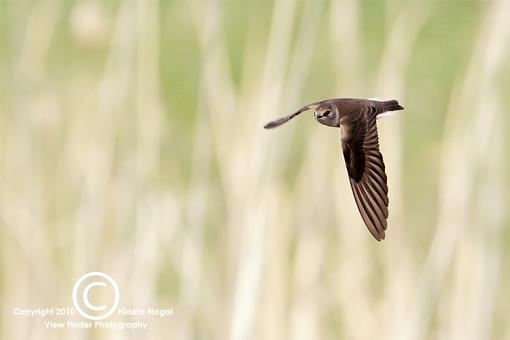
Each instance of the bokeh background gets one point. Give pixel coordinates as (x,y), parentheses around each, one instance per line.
(131,142)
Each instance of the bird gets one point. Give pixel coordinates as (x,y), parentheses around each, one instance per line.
(356,118)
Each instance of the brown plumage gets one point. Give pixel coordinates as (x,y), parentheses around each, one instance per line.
(356,119)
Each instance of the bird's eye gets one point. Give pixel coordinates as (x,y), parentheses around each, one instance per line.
(326,113)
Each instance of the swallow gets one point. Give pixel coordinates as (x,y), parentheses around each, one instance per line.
(356,119)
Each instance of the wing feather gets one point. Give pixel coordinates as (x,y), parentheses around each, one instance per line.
(360,202)
(366,170)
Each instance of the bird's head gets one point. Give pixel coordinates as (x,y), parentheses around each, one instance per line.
(327,114)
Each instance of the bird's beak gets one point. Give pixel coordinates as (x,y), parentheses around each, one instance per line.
(285,119)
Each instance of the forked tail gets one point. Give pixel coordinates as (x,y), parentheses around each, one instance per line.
(392,105)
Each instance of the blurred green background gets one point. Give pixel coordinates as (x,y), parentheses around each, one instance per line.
(131,143)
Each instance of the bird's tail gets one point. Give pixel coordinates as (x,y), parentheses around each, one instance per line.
(387,107)
(392,105)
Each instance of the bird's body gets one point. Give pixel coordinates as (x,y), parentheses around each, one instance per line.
(356,119)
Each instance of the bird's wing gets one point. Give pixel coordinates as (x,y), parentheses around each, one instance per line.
(365,166)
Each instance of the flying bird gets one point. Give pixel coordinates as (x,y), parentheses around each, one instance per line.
(356,119)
